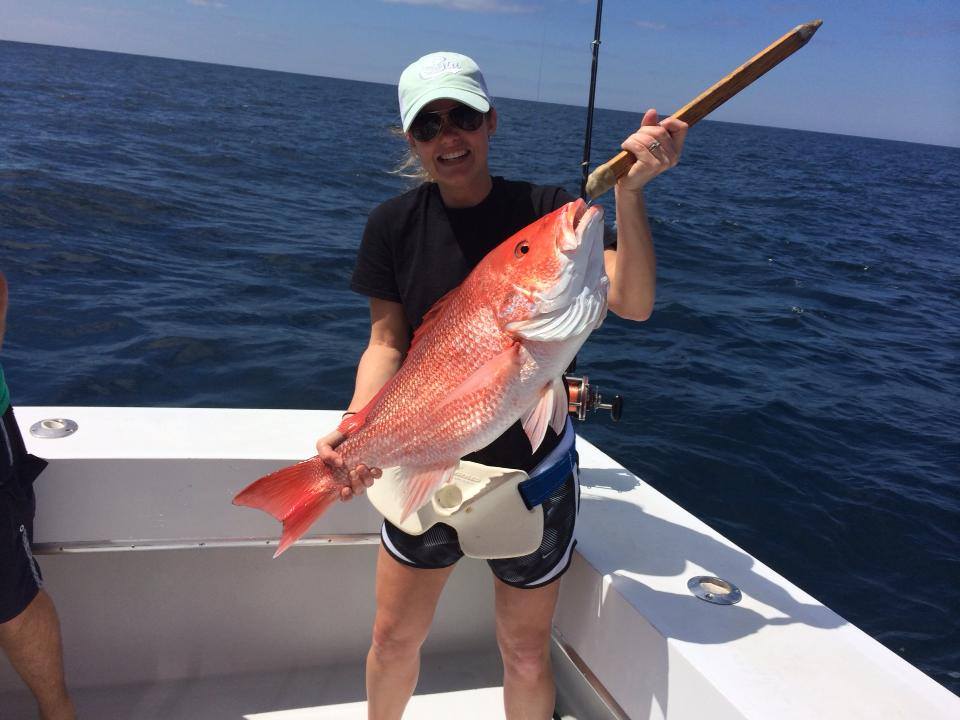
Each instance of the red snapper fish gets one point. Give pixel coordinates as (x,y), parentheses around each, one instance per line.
(489,352)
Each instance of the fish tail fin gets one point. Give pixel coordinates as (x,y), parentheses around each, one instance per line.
(298,522)
(296,496)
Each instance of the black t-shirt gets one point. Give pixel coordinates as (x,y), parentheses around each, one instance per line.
(415,249)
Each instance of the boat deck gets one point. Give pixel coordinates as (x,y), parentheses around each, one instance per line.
(464,686)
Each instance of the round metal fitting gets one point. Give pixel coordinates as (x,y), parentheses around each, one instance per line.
(53,428)
(714,590)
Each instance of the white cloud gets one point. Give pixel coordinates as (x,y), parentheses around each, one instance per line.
(479,6)
(208,3)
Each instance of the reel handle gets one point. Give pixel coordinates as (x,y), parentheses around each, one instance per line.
(615,407)
(582,397)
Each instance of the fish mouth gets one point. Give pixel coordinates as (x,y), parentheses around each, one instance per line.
(581,226)
(571,224)
(580,252)
(581,242)
(579,210)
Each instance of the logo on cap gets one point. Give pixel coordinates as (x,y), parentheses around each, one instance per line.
(440,66)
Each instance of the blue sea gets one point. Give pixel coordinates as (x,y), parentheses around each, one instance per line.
(182,234)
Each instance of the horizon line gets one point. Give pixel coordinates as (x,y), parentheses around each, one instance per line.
(505,97)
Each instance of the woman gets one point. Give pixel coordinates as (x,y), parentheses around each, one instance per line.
(415,248)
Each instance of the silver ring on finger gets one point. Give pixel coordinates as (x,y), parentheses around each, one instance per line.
(654,145)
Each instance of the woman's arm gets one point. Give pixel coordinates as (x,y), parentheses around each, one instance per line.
(632,266)
(386,349)
(389,340)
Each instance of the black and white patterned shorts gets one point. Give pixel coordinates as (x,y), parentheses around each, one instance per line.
(439,547)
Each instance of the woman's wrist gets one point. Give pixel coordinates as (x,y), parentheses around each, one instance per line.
(630,194)
(348,412)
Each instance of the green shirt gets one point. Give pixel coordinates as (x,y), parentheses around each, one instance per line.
(4,393)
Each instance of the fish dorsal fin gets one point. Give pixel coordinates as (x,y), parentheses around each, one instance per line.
(431,316)
(352,423)
(550,410)
(585,313)
(418,484)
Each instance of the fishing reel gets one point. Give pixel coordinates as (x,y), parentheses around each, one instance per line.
(584,397)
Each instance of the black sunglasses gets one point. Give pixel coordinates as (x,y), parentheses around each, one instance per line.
(427,125)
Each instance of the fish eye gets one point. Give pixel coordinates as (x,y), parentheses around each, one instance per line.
(522,248)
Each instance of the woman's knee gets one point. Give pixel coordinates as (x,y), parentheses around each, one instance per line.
(395,639)
(525,657)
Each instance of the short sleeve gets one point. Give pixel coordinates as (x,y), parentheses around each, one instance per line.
(374,274)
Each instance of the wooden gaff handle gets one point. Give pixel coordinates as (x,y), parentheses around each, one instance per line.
(606,176)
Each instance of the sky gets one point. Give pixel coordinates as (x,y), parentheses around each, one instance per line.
(876,69)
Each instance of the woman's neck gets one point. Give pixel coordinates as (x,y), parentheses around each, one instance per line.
(463,197)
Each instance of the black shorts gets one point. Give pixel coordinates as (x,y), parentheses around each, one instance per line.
(439,547)
(20,578)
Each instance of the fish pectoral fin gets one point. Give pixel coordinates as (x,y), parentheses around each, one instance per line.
(496,372)
(584,314)
(550,410)
(417,485)
(561,406)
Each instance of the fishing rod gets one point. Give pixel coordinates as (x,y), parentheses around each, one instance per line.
(585,165)
(582,396)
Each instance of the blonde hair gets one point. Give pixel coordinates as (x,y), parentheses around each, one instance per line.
(409,167)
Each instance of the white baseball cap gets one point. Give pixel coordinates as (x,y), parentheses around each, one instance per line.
(441,75)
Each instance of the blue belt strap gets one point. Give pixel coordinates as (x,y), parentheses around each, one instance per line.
(542,483)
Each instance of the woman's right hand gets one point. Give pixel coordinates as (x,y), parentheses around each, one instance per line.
(361,477)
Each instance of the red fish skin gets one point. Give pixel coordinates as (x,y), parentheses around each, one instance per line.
(465,380)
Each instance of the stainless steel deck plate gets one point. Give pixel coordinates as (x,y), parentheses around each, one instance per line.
(53,428)
(714,590)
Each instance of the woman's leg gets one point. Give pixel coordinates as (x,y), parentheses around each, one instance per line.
(406,600)
(524,618)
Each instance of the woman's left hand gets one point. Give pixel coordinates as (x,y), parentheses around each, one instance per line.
(656,146)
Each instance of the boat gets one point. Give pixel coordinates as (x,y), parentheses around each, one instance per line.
(172,607)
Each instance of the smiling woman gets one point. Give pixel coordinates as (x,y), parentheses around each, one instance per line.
(447,133)
(426,127)
(416,249)
(454,152)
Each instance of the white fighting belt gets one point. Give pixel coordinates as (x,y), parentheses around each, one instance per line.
(481,502)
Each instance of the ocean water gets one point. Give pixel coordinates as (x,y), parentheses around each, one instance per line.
(181,234)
